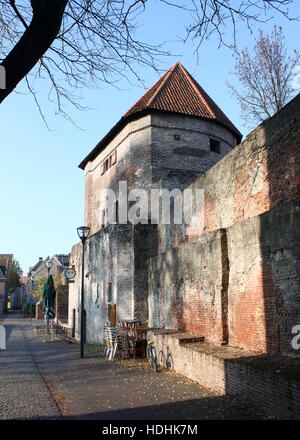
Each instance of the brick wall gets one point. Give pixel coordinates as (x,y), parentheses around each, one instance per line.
(185,288)
(259,174)
(269,383)
(264,280)
(252,195)
(239,284)
(62,303)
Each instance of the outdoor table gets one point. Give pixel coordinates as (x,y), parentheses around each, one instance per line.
(135,333)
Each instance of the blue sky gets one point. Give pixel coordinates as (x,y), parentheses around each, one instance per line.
(42,188)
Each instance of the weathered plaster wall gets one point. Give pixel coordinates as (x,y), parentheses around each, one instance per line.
(147,151)
(74,289)
(109,259)
(190,154)
(118,255)
(133,165)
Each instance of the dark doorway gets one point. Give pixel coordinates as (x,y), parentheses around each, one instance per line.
(84,326)
(112,314)
(74,323)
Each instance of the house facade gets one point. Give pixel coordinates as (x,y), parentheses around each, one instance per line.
(39,272)
(4,273)
(167,139)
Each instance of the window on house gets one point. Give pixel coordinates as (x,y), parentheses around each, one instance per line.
(103,217)
(109,162)
(113,158)
(215,146)
(104,166)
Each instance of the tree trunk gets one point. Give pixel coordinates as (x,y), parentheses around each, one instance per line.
(36,40)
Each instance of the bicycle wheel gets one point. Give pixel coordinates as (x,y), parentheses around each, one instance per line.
(154,360)
(115,348)
(149,355)
(161,358)
(169,362)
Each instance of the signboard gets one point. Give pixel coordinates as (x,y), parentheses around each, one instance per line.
(70,273)
(2,338)
(31,301)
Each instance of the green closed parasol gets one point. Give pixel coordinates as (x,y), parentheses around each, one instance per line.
(49,294)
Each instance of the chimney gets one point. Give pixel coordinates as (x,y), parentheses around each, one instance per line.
(41,258)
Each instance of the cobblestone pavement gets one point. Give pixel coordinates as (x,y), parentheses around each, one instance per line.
(43,379)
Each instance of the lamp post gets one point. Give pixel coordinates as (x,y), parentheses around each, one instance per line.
(49,264)
(83,233)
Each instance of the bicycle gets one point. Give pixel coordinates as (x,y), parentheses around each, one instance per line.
(151,354)
(168,362)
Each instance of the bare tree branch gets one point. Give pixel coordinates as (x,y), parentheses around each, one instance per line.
(81,43)
(264,76)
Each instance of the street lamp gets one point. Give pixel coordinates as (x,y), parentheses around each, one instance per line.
(49,264)
(83,233)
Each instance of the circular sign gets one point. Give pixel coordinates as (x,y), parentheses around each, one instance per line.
(70,273)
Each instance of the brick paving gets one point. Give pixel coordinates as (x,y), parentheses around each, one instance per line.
(23,392)
(48,380)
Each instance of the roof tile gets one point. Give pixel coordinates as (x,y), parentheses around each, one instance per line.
(177,91)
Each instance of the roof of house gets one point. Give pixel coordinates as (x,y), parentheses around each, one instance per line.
(175,92)
(2,272)
(36,266)
(5,258)
(63,259)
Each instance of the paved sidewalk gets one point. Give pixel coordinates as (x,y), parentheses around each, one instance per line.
(23,392)
(48,380)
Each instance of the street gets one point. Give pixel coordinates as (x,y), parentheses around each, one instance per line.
(47,380)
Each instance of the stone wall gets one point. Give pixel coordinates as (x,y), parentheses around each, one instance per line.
(181,145)
(116,269)
(252,198)
(186,288)
(270,383)
(62,303)
(133,145)
(154,147)
(259,174)
(264,280)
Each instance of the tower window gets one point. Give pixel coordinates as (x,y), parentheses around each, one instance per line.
(109,293)
(116,213)
(215,146)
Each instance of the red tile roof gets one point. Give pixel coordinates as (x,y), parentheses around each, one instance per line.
(176,92)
